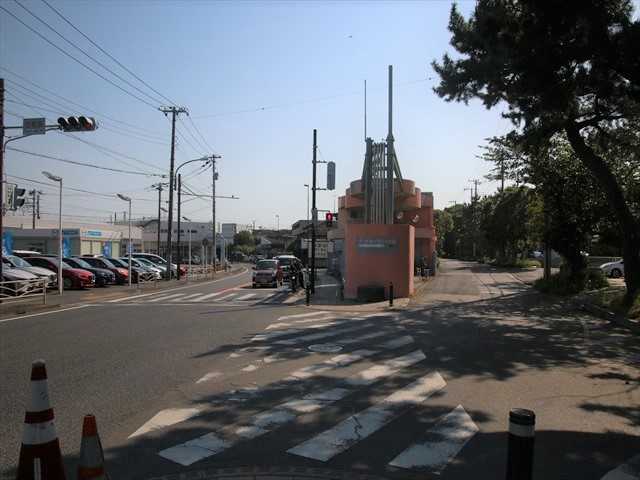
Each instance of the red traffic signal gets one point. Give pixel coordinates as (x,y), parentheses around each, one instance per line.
(77,124)
(328,219)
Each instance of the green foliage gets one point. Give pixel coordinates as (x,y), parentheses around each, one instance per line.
(596,280)
(561,67)
(564,284)
(244,238)
(443,222)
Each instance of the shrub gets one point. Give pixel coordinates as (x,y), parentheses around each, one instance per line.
(596,280)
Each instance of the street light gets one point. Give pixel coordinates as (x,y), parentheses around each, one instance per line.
(58,179)
(307,185)
(278,220)
(129,248)
(188,220)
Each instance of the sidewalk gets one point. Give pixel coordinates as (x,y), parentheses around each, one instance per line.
(327,297)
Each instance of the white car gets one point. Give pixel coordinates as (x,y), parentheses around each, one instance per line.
(613,269)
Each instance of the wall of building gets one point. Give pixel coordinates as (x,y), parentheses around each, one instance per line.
(375,255)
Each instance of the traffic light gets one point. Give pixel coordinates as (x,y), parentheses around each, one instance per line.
(18,197)
(77,124)
(331,176)
(328,217)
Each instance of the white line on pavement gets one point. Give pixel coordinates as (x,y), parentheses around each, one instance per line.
(353,429)
(301,315)
(244,270)
(444,442)
(165,297)
(209,376)
(165,418)
(209,295)
(246,297)
(43,313)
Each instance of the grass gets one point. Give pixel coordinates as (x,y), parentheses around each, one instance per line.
(615,299)
(518,263)
(563,284)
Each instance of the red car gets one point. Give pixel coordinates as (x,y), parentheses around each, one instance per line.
(71,277)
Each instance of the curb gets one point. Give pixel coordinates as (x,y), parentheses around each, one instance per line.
(607,315)
(272,473)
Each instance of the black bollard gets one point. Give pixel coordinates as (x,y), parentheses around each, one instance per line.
(308,299)
(390,294)
(522,426)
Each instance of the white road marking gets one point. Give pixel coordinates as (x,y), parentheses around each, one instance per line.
(186,297)
(250,368)
(444,441)
(353,429)
(244,270)
(165,297)
(43,313)
(208,295)
(212,443)
(246,297)
(298,322)
(290,300)
(301,315)
(166,418)
(209,376)
(318,336)
(263,337)
(225,297)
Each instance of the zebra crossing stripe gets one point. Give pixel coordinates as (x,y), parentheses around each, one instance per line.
(298,322)
(347,433)
(246,297)
(263,337)
(301,315)
(185,297)
(444,442)
(321,335)
(209,295)
(165,297)
(213,443)
(225,297)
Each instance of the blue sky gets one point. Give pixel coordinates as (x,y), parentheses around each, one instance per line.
(304,62)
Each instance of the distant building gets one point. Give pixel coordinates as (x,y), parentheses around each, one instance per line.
(229,231)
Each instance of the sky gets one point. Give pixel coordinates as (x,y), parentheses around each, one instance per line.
(256,78)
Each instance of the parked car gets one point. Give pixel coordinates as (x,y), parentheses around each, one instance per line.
(40,272)
(26,253)
(158,260)
(152,272)
(267,272)
(162,269)
(122,274)
(16,282)
(137,273)
(613,269)
(103,276)
(71,277)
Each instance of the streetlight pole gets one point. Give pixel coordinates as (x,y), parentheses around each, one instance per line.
(58,179)
(278,221)
(129,248)
(307,185)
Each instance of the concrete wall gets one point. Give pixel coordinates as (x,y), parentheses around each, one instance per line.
(368,263)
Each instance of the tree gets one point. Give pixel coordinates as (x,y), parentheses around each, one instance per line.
(443,222)
(568,67)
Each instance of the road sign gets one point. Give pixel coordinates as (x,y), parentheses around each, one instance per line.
(8,196)
(33,126)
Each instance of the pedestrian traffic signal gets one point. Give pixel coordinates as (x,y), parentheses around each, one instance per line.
(331,176)
(77,124)
(18,197)
(329,219)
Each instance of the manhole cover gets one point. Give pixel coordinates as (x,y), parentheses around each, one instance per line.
(325,348)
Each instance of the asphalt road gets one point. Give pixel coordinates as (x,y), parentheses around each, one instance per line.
(220,375)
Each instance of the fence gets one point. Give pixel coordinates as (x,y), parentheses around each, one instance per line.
(199,272)
(23,291)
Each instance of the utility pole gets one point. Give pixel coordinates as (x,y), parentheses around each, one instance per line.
(1,171)
(314,215)
(35,206)
(475,182)
(214,177)
(174,111)
(158,186)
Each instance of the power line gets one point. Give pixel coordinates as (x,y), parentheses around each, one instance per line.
(60,49)
(107,53)
(200,144)
(186,140)
(95,112)
(83,164)
(86,54)
(34,95)
(195,127)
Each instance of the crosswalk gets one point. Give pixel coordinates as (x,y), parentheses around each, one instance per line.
(233,297)
(352,375)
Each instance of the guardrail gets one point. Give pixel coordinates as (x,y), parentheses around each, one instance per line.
(147,280)
(22,291)
(199,272)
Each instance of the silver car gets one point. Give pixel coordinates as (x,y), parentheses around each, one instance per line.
(21,263)
(613,269)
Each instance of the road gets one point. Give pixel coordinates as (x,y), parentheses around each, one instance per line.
(220,375)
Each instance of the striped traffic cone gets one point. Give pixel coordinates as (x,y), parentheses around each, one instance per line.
(40,457)
(91,465)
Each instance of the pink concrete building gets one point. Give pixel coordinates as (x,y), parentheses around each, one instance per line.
(377,254)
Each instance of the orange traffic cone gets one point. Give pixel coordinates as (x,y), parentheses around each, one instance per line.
(91,465)
(40,457)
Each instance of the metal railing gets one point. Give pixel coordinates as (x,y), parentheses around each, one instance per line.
(147,279)
(18,291)
(199,272)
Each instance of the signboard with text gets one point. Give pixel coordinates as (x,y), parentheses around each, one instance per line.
(33,126)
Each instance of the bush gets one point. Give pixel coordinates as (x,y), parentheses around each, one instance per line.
(596,280)
(518,263)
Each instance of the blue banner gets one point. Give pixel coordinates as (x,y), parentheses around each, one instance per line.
(7,243)
(106,249)
(66,247)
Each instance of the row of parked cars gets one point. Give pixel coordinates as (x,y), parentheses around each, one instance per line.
(274,271)
(84,271)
